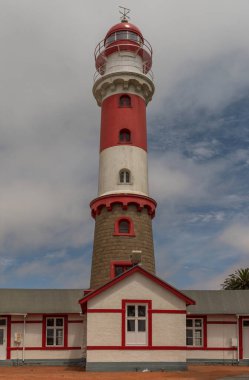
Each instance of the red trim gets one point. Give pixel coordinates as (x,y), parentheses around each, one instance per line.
(204,329)
(123,332)
(44,331)
(189,348)
(124,200)
(13,322)
(221,323)
(241,319)
(159,311)
(87,291)
(131,231)
(120,263)
(76,321)
(139,269)
(57,348)
(104,310)
(65,325)
(241,337)
(8,336)
(136,348)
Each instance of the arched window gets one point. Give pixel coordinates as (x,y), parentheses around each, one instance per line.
(125,101)
(124,176)
(124,136)
(124,226)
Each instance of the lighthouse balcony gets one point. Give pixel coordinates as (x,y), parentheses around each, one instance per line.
(123,56)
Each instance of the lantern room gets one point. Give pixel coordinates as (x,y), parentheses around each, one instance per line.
(123,49)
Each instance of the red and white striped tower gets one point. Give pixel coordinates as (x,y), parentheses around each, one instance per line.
(123,210)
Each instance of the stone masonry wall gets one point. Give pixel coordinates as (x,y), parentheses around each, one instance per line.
(108,248)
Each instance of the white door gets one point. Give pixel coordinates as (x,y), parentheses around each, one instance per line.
(3,338)
(136,324)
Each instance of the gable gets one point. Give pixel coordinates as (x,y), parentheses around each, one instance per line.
(138,287)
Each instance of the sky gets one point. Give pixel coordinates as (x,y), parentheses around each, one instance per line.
(198,138)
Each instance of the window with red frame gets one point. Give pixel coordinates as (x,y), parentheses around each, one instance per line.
(124,136)
(55,331)
(194,333)
(136,324)
(119,268)
(124,227)
(125,101)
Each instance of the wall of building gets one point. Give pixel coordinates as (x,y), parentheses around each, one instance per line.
(106,326)
(222,333)
(108,248)
(32,344)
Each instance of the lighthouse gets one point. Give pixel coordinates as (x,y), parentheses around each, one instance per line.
(123,209)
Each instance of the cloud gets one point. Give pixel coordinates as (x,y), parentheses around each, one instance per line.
(237,236)
(49,125)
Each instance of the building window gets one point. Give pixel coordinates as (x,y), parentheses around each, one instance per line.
(54,331)
(124,136)
(137,323)
(125,101)
(123,35)
(194,332)
(119,267)
(124,226)
(124,176)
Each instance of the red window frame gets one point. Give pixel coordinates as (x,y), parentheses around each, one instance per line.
(131,227)
(126,264)
(149,320)
(44,331)
(204,331)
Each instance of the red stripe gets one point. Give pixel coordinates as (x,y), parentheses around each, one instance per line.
(158,311)
(8,336)
(115,118)
(76,321)
(212,348)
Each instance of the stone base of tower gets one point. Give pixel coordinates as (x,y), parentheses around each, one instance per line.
(112,247)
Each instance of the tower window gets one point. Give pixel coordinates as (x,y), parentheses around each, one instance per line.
(124,136)
(124,226)
(125,101)
(119,267)
(124,176)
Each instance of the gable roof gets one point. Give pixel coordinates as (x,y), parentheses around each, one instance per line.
(219,301)
(24,301)
(130,272)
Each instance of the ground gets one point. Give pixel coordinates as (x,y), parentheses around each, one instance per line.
(69,373)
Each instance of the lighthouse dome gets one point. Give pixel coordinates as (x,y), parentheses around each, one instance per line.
(123,31)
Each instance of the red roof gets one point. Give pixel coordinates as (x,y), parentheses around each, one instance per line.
(128,273)
(124,26)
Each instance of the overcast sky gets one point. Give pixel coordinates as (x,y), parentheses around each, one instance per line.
(197,128)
